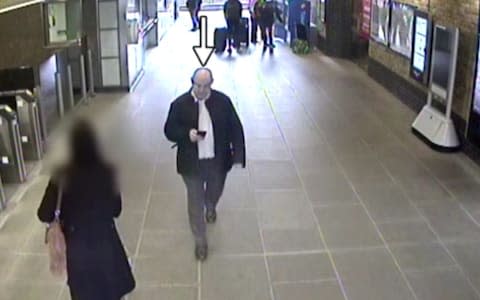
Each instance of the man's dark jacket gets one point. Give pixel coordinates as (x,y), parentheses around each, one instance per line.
(228,132)
(266,13)
(237,8)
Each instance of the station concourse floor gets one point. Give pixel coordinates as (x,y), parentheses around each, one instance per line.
(339,200)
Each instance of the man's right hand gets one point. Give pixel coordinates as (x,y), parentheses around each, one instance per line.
(194,136)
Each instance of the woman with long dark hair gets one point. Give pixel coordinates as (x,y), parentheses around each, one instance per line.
(97,265)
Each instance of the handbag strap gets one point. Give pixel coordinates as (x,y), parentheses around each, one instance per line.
(58,206)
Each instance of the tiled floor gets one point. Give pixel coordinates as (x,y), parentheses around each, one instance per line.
(339,200)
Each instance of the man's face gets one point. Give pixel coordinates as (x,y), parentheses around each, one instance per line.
(202,84)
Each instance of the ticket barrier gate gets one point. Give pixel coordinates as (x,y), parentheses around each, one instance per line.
(12,165)
(25,104)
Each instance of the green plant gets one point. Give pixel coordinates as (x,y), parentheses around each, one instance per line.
(300,47)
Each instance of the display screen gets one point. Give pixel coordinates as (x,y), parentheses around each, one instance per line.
(380,20)
(420,43)
(443,52)
(401,29)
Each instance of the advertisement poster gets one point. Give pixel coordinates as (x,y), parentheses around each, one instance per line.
(380,21)
(366,19)
(401,28)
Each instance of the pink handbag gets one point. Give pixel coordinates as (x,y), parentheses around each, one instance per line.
(55,240)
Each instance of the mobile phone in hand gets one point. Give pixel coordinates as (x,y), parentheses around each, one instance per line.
(201,133)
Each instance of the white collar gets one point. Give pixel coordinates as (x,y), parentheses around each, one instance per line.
(196,99)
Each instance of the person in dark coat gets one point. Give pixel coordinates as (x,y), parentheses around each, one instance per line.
(207,130)
(97,265)
(267,12)
(253,21)
(232,9)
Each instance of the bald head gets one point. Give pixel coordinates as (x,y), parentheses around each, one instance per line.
(202,76)
(202,80)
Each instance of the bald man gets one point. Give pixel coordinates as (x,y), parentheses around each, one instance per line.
(205,126)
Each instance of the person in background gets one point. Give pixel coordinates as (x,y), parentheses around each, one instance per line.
(194,9)
(232,10)
(97,265)
(205,126)
(267,12)
(253,21)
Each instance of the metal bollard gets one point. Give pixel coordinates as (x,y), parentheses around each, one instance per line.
(82,77)
(91,83)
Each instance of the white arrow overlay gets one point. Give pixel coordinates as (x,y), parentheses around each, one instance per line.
(203,51)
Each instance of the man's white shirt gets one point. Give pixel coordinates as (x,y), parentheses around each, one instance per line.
(206,146)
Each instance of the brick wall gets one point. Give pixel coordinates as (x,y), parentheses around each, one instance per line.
(460,13)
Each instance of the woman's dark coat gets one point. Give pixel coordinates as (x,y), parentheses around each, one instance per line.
(97,264)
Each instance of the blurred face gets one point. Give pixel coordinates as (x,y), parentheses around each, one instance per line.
(202,83)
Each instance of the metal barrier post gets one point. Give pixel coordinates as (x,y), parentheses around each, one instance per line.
(91,83)
(70,87)
(82,77)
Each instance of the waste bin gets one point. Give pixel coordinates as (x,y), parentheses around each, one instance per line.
(12,165)
(25,104)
